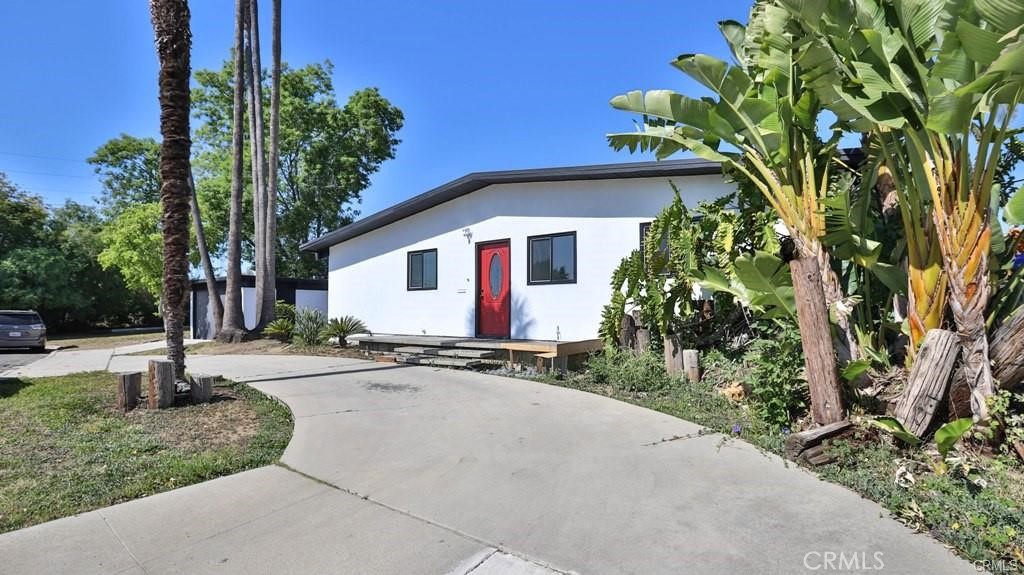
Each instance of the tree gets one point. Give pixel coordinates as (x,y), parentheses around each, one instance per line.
(173,37)
(49,262)
(768,119)
(129,170)
(327,153)
(233,327)
(265,284)
(22,217)
(936,83)
(268,301)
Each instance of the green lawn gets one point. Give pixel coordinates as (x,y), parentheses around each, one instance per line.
(64,449)
(102,340)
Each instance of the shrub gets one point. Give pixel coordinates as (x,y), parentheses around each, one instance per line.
(284,310)
(630,372)
(776,381)
(279,329)
(310,327)
(344,326)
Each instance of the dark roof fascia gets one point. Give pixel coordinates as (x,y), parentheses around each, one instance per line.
(478,180)
(250,281)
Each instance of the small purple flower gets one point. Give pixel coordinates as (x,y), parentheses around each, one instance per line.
(785,430)
(736,428)
(1018,260)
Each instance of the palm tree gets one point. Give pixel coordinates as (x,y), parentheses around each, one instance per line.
(768,119)
(265,294)
(233,329)
(204,259)
(170,20)
(270,206)
(936,83)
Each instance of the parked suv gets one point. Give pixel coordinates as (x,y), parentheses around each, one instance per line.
(22,329)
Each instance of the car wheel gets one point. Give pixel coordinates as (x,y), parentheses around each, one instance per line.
(39,349)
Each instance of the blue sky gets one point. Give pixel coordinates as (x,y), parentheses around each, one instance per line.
(483,85)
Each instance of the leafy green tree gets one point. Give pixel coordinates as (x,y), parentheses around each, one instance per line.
(132,243)
(22,217)
(328,152)
(129,169)
(49,263)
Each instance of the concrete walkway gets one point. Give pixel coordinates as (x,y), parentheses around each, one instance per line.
(413,470)
(65,361)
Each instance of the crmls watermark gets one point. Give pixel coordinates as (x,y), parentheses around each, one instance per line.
(844,561)
(998,566)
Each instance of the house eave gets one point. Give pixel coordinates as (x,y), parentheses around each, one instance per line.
(479,180)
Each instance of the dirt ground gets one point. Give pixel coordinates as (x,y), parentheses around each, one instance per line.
(262,347)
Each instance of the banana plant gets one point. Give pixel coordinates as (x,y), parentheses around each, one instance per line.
(762,124)
(936,83)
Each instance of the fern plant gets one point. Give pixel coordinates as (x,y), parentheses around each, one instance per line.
(310,327)
(344,326)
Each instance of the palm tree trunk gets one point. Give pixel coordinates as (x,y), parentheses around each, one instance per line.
(264,288)
(204,258)
(270,207)
(173,44)
(233,329)
(845,340)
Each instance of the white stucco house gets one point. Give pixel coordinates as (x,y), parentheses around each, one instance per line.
(524,254)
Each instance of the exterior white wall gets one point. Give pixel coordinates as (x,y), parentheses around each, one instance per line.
(316,299)
(367,274)
(303,298)
(249,306)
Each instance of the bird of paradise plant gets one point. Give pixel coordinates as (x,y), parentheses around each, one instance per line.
(936,83)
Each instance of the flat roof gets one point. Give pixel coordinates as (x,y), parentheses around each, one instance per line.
(478,180)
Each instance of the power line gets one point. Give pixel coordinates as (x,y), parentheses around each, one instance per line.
(50,174)
(41,157)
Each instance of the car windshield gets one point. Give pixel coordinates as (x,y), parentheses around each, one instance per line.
(19,318)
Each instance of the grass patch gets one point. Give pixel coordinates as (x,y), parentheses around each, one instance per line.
(65,450)
(103,340)
(976,506)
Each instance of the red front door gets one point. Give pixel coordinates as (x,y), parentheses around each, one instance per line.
(494,291)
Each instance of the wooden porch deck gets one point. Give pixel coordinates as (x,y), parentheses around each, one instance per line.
(549,348)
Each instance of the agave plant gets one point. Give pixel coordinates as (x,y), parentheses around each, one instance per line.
(936,83)
(310,327)
(344,326)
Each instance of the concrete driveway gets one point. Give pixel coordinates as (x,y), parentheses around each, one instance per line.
(14,358)
(410,470)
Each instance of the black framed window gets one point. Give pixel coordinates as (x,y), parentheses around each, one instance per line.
(422,270)
(645,228)
(551,259)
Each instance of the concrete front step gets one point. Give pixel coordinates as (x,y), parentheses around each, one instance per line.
(438,361)
(448,352)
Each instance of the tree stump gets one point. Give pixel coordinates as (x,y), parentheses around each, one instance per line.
(1007,352)
(928,381)
(691,365)
(201,388)
(819,354)
(673,356)
(161,383)
(129,386)
(627,332)
(643,340)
